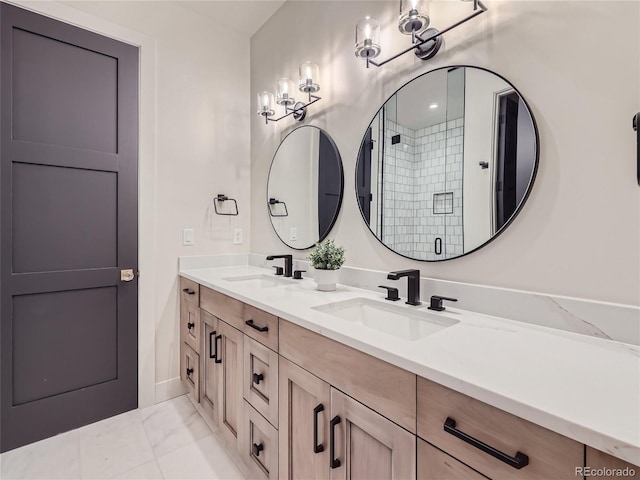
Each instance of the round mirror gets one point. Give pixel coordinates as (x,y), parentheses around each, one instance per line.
(304,190)
(447,163)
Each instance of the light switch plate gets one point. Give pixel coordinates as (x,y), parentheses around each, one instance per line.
(188,237)
(293,234)
(237,236)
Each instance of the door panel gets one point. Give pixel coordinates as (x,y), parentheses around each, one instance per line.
(68,225)
(304,400)
(368,445)
(208,370)
(41,328)
(50,210)
(44,86)
(229,375)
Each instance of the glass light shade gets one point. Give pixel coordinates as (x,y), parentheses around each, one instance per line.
(284,92)
(367,38)
(309,77)
(266,104)
(413,16)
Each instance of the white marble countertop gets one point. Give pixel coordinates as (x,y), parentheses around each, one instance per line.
(585,388)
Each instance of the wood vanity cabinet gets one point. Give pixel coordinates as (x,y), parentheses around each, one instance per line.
(367,445)
(260,379)
(190,337)
(305,409)
(598,460)
(209,370)
(230,358)
(466,428)
(294,404)
(434,464)
(318,421)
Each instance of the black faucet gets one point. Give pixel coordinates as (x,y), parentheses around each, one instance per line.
(288,263)
(413,278)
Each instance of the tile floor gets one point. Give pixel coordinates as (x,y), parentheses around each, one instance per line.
(166,441)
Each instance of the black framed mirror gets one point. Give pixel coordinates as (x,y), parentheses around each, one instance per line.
(305,187)
(447,163)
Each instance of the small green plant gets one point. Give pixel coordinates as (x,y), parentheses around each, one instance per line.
(327,256)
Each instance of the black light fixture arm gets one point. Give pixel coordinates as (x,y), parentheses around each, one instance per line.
(299,110)
(478,9)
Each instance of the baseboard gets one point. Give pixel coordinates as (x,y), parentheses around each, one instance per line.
(168,389)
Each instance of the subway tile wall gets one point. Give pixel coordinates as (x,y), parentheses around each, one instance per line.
(424,163)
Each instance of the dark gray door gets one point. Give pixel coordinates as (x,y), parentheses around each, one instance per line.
(68,225)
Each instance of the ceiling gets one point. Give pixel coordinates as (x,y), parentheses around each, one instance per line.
(244,16)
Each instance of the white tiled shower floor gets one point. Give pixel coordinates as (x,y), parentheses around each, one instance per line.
(166,441)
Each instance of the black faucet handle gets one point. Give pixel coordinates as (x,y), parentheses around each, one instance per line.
(297,274)
(279,270)
(392,293)
(436,302)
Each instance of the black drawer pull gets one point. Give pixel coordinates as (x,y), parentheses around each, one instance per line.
(189,371)
(188,291)
(517,462)
(212,341)
(334,462)
(317,448)
(216,354)
(190,325)
(256,327)
(257,377)
(257,449)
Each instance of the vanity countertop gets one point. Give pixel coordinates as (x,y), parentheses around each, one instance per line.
(585,388)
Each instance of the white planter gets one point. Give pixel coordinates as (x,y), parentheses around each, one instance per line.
(326,279)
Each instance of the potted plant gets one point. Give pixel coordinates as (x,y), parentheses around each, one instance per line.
(326,259)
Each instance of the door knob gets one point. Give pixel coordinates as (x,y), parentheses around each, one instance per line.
(127,275)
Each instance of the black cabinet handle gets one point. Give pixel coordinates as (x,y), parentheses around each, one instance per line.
(317,448)
(257,449)
(256,378)
(188,291)
(256,327)
(190,325)
(335,463)
(216,354)
(517,462)
(211,345)
(189,371)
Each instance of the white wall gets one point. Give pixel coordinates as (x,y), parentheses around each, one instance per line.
(200,125)
(579,232)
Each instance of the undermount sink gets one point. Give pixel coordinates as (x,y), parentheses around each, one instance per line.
(392,320)
(260,280)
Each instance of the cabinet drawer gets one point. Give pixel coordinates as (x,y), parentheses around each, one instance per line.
(190,291)
(607,466)
(190,371)
(190,324)
(434,464)
(260,379)
(261,326)
(222,306)
(550,455)
(383,387)
(258,444)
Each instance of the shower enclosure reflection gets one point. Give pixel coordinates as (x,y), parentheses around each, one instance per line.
(446,163)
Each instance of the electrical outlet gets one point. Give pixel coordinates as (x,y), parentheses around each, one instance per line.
(237,236)
(293,234)
(188,237)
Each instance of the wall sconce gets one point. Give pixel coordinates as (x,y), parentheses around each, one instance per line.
(309,75)
(414,20)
